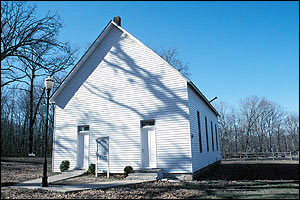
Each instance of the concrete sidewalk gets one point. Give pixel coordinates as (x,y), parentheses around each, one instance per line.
(36,183)
(79,187)
(51,179)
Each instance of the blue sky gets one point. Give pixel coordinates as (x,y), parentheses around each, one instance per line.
(233,49)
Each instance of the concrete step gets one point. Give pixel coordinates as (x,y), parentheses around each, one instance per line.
(146,170)
(142,174)
(141,178)
(145,174)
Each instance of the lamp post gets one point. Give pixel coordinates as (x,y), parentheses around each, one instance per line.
(49,82)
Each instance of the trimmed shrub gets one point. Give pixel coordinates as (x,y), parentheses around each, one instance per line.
(127,170)
(64,165)
(91,169)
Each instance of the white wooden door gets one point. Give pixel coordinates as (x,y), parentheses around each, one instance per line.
(145,148)
(82,150)
(148,147)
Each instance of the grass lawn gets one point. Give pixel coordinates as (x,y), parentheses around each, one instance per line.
(232,180)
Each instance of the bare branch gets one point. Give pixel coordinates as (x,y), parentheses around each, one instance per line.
(171,56)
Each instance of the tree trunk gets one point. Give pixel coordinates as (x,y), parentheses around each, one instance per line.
(278,140)
(31,122)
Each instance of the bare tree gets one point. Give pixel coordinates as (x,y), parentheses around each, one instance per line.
(171,56)
(30,52)
(273,122)
(264,111)
(277,127)
(224,130)
(234,122)
(50,61)
(291,124)
(21,33)
(249,111)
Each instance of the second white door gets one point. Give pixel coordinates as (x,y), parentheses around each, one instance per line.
(148,147)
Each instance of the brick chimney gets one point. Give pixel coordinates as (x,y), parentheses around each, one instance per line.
(117,20)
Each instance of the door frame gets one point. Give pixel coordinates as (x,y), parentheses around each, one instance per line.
(148,127)
(96,165)
(85,159)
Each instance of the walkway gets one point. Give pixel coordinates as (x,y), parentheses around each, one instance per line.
(36,184)
(51,179)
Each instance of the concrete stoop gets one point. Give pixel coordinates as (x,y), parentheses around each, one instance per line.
(146,174)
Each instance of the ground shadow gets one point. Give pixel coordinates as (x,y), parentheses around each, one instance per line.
(240,172)
(6,184)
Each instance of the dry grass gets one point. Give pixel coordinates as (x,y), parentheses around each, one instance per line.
(237,180)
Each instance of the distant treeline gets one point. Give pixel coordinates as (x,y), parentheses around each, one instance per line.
(257,125)
(15,122)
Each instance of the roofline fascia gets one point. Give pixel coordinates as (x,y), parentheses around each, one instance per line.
(204,98)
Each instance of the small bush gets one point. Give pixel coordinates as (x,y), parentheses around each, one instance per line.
(91,169)
(64,165)
(127,170)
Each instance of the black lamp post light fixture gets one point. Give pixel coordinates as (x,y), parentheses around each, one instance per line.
(49,82)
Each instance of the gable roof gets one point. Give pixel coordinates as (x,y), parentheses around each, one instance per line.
(95,45)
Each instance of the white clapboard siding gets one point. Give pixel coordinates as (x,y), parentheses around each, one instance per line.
(121,83)
(204,158)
